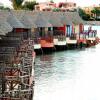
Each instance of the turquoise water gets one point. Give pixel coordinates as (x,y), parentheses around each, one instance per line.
(68,75)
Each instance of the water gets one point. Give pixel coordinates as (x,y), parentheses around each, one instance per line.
(68,75)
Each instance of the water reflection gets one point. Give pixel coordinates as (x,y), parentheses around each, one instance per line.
(68,75)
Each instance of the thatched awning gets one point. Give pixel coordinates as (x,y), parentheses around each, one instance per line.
(26,18)
(14,22)
(97,23)
(28,21)
(65,19)
(5,27)
(75,18)
(55,20)
(2,33)
(34,19)
(41,21)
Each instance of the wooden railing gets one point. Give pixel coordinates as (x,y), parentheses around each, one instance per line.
(73,36)
(58,32)
(87,32)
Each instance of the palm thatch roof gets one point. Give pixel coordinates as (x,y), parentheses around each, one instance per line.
(55,20)
(14,22)
(4,25)
(26,18)
(2,33)
(97,23)
(75,18)
(29,19)
(4,14)
(65,19)
(41,21)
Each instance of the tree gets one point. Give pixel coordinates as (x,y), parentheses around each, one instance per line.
(17,4)
(81,12)
(51,1)
(86,17)
(30,5)
(83,15)
(56,9)
(4,8)
(96,12)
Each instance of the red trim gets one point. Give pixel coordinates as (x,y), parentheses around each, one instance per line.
(81,40)
(62,29)
(17,30)
(81,27)
(73,31)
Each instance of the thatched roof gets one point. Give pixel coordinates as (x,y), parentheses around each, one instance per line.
(14,22)
(41,21)
(58,19)
(2,33)
(75,18)
(97,23)
(26,18)
(65,19)
(29,19)
(4,14)
(4,26)
(54,19)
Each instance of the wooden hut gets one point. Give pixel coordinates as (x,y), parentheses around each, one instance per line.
(43,24)
(57,30)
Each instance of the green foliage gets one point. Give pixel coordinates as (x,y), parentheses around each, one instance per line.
(51,1)
(96,12)
(56,9)
(4,8)
(17,4)
(1,7)
(86,17)
(83,14)
(29,5)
